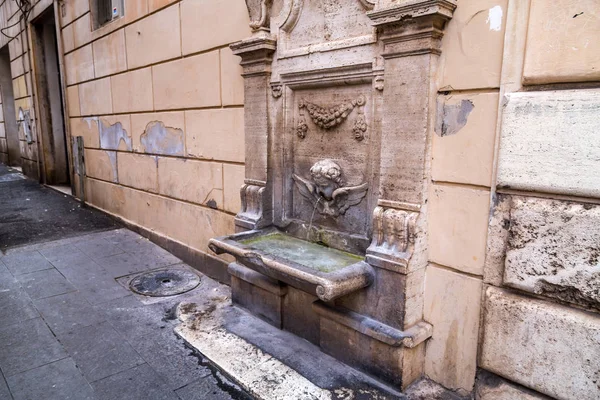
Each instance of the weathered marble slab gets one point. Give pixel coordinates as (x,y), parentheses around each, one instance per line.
(550,142)
(554,249)
(491,387)
(544,346)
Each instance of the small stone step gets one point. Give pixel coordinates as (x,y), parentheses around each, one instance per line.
(267,362)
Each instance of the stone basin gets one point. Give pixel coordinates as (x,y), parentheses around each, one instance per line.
(316,269)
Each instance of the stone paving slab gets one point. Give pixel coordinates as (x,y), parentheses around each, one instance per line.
(28,345)
(16,305)
(100,351)
(139,383)
(26,262)
(4,392)
(67,312)
(46,283)
(99,340)
(171,359)
(60,380)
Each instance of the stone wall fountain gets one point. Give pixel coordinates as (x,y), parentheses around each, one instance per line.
(331,242)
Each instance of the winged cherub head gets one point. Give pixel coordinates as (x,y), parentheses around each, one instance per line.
(327,176)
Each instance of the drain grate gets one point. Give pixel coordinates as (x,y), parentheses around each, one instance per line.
(165,282)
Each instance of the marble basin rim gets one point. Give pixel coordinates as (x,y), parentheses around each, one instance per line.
(326,285)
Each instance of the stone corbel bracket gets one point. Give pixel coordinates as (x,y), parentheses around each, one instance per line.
(374,329)
(393,238)
(254,213)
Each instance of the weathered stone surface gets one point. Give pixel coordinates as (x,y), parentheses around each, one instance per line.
(472,45)
(550,142)
(132,91)
(153,39)
(109,54)
(554,249)
(224,22)
(497,240)
(79,65)
(544,346)
(492,387)
(458,218)
(463,146)
(562,42)
(452,306)
(101,164)
(197,83)
(138,171)
(95,97)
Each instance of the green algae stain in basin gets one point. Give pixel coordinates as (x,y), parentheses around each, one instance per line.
(309,254)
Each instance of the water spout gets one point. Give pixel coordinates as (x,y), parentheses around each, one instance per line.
(312,217)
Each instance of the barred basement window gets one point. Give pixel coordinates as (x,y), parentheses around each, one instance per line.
(105,11)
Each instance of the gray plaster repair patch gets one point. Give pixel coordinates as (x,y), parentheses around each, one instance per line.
(161,139)
(452,118)
(164,282)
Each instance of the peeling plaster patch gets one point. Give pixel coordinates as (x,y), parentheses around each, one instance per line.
(495,18)
(112,135)
(112,156)
(161,139)
(91,120)
(452,118)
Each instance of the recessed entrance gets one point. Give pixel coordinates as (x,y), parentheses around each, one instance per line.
(53,149)
(8,108)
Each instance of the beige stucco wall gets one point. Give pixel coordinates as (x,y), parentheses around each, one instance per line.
(166,66)
(158,97)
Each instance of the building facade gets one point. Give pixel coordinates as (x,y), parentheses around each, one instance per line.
(503,102)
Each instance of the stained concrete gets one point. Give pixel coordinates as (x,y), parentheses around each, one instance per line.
(31,213)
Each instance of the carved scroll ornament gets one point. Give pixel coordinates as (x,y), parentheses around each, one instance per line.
(326,191)
(251,214)
(263,21)
(327,118)
(393,237)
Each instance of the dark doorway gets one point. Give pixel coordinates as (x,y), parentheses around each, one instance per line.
(53,147)
(8,105)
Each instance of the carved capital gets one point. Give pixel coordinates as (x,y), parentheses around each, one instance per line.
(253,213)
(256,54)
(393,238)
(412,27)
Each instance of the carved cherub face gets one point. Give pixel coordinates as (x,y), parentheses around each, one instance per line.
(327,176)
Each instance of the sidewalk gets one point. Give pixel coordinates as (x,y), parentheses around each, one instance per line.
(69,328)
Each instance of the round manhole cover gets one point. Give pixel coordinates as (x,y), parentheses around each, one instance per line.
(166,282)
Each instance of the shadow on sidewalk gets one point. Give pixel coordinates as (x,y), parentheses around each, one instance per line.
(32,213)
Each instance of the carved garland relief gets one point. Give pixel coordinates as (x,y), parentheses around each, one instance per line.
(327,118)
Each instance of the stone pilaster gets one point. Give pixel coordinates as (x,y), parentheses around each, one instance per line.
(410,34)
(257,55)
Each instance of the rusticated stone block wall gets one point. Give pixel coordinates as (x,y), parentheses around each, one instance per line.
(540,321)
(512,285)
